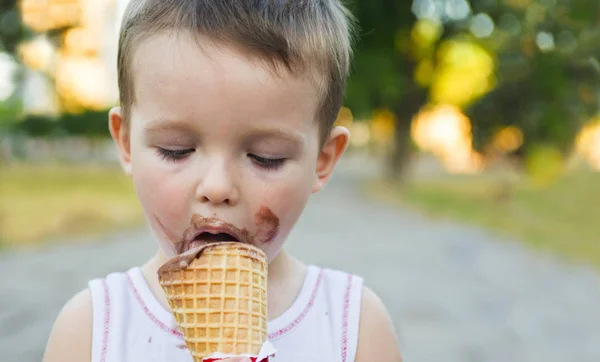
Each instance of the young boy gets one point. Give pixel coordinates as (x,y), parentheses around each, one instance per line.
(226,129)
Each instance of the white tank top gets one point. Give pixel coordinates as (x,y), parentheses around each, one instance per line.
(129,324)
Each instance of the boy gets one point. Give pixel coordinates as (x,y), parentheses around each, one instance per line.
(226,129)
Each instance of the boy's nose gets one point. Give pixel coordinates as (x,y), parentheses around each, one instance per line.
(217,187)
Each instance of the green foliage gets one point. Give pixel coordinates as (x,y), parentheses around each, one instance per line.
(380,74)
(544,164)
(9,113)
(383,72)
(12,31)
(548,94)
(375,83)
(88,124)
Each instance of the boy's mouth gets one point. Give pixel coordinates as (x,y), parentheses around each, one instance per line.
(209,237)
(211,230)
(206,238)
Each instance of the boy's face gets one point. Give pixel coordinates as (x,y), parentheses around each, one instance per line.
(218,145)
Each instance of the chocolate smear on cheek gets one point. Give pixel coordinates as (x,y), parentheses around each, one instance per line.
(267,225)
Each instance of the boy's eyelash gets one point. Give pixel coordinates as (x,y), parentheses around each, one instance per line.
(268,163)
(264,162)
(174,155)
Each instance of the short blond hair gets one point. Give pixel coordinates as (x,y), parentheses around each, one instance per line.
(303,36)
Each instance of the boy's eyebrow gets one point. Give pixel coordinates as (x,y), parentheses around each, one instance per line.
(292,136)
(166,125)
(254,135)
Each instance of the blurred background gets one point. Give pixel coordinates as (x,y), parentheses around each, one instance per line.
(475,136)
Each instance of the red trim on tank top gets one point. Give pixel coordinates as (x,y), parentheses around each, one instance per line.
(345,319)
(106,331)
(283,331)
(149,314)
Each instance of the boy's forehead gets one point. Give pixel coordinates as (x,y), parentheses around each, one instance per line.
(183,52)
(178,74)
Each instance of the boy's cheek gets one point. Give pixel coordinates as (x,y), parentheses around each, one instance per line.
(158,196)
(162,207)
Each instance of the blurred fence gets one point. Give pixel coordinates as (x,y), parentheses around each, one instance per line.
(70,137)
(56,149)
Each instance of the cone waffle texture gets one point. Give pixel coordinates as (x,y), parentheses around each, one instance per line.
(220,299)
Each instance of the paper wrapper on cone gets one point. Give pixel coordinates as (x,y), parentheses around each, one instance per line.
(266,351)
(218,295)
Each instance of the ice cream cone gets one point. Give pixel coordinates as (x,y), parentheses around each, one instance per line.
(218,295)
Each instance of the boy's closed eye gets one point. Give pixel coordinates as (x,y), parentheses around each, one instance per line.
(266,162)
(175,155)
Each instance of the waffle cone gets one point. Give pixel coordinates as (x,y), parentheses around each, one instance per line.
(218,295)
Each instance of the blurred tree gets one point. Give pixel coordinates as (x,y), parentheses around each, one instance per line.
(547,70)
(12,30)
(385,75)
(395,60)
(12,33)
(34,32)
(525,63)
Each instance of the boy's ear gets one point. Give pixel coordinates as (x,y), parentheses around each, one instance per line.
(120,134)
(330,154)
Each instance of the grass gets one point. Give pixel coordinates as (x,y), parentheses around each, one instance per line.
(39,203)
(562,218)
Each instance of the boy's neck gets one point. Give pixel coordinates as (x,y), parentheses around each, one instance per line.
(285,279)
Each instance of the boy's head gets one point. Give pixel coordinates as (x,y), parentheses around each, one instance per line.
(227,112)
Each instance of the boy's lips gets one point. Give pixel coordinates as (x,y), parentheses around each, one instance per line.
(206,230)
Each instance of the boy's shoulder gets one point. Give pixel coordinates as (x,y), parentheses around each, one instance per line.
(376,334)
(342,284)
(71,335)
